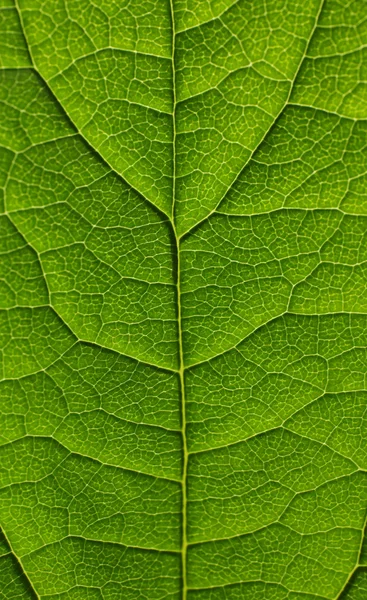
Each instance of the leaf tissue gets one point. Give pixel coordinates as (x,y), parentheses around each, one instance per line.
(183,299)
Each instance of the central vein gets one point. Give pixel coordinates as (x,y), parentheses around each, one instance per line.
(183,432)
(179,322)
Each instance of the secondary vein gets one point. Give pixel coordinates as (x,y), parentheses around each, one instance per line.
(19,562)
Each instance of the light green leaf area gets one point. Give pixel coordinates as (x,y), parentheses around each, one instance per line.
(183,300)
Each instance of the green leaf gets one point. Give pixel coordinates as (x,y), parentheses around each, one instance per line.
(183,312)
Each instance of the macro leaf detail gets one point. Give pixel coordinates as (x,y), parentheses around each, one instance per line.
(183,313)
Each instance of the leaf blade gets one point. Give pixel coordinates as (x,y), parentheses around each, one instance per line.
(184,417)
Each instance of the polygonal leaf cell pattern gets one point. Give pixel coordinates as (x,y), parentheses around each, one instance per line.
(183,300)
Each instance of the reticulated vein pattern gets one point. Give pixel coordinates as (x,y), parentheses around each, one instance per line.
(183,300)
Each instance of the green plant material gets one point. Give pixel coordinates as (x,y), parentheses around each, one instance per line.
(183,295)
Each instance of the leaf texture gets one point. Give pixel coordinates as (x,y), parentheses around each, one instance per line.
(183,313)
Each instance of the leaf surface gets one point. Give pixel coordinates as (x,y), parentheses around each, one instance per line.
(183,314)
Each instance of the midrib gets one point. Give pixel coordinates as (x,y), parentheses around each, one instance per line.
(179,323)
(183,432)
